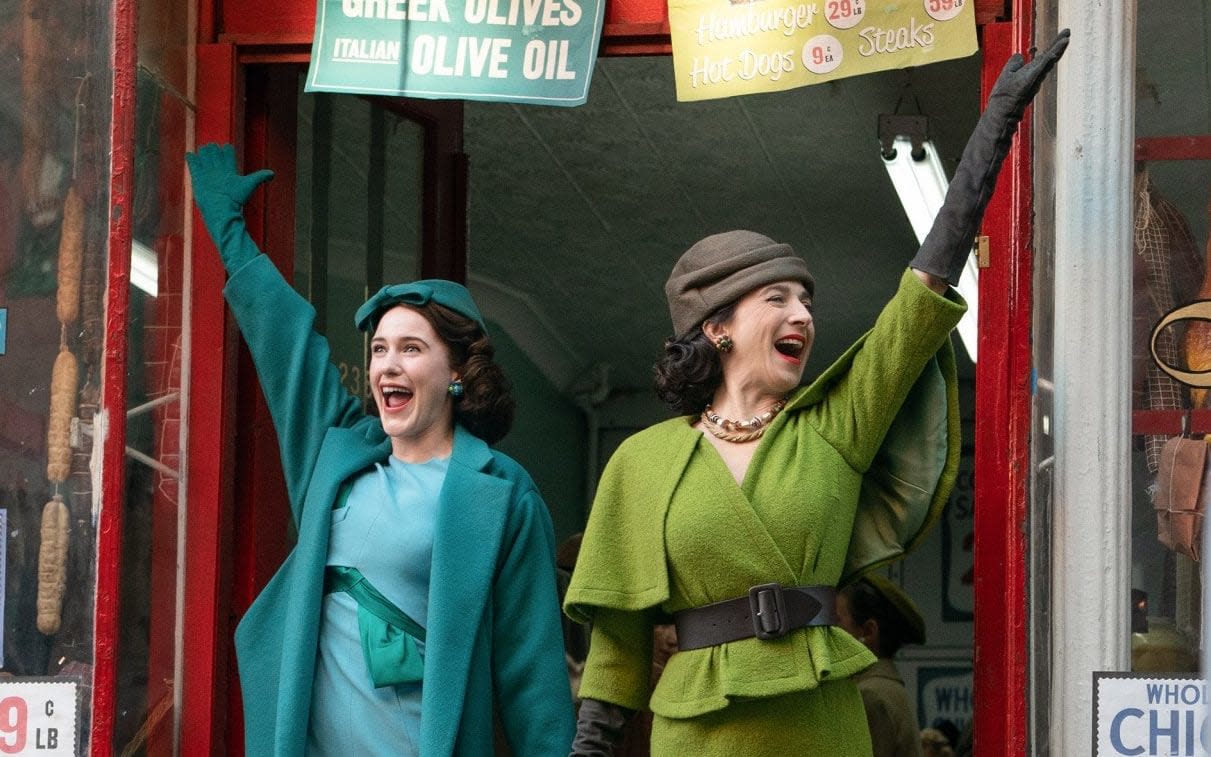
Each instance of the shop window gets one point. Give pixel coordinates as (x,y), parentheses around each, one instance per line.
(55,115)
(150,653)
(1171,196)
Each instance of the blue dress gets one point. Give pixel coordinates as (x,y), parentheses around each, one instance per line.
(386,532)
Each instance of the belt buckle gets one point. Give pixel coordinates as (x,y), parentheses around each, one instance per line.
(767,610)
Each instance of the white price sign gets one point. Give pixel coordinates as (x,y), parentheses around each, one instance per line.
(39,717)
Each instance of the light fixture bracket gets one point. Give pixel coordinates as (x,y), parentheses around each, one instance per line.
(914,126)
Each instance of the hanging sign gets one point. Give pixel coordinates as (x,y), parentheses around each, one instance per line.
(1135,714)
(528,51)
(958,538)
(733,47)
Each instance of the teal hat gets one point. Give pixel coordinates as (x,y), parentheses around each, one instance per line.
(416,293)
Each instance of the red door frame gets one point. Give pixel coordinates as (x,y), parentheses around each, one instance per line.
(1002,430)
(211,419)
(279,31)
(113,392)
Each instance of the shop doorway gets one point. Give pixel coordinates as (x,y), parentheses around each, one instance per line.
(577,216)
(366,191)
(564,224)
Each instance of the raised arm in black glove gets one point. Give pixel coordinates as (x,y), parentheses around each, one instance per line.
(949,241)
(220,193)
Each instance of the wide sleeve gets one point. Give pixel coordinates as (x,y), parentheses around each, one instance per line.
(621,564)
(293,362)
(619,666)
(860,402)
(889,406)
(530,675)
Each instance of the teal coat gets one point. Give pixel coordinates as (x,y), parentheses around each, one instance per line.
(494,641)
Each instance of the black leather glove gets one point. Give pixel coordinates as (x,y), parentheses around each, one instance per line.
(949,241)
(220,193)
(599,728)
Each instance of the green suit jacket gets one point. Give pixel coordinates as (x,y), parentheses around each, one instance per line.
(849,475)
(494,640)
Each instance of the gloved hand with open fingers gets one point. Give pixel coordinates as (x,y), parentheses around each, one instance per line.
(949,241)
(220,193)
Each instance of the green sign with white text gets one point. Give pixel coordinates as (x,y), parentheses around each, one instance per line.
(528,51)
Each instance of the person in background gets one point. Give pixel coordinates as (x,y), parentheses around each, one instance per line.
(934,743)
(420,599)
(879,614)
(739,518)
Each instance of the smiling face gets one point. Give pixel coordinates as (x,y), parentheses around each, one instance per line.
(410,374)
(772,332)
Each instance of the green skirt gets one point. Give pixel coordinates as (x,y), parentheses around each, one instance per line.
(828,720)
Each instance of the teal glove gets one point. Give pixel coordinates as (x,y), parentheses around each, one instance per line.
(220,193)
(945,249)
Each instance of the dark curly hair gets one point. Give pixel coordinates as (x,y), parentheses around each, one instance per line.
(689,372)
(486,407)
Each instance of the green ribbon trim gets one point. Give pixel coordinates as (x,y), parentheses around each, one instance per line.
(389,636)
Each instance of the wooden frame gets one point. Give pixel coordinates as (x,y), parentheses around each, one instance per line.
(1172,422)
(279,31)
(1002,431)
(113,394)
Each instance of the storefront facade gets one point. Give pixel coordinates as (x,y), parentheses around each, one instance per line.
(132,401)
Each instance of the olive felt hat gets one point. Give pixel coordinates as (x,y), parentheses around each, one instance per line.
(722,268)
(901,604)
(416,293)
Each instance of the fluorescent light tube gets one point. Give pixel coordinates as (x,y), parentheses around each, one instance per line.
(144,268)
(921,185)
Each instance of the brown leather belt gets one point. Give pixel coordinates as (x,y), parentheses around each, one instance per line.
(768,611)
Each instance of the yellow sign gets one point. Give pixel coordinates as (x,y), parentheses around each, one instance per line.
(723,48)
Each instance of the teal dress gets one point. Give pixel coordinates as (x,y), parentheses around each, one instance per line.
(385,530)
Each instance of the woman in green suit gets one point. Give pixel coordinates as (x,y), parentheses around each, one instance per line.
(420,598)
(740,518)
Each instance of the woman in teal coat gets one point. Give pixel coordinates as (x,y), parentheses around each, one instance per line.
(738,519)
(420,598)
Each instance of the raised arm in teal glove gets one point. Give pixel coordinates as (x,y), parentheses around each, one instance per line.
(220,192)
(949,241)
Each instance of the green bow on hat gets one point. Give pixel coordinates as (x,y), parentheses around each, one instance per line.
(416,293)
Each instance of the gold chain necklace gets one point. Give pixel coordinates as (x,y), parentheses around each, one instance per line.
(740,431)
